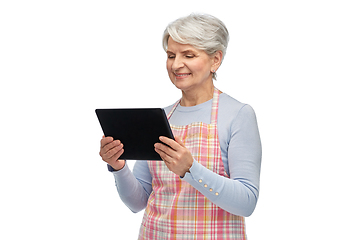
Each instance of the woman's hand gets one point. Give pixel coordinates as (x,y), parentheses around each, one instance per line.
(176,157)
(110,151)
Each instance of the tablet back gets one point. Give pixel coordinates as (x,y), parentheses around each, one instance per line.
(137,128)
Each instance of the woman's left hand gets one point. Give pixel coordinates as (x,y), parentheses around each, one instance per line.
(176,157)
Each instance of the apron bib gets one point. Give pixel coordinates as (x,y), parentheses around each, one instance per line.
(175,209)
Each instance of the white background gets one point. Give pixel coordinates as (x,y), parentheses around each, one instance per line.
(295,62)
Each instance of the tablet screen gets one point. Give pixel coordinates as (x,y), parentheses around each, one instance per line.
(137,128)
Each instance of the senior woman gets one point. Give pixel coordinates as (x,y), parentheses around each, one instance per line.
(208,180)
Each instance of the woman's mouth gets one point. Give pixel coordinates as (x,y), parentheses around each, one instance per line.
(181,75)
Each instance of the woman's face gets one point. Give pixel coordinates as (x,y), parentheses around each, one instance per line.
(188,67)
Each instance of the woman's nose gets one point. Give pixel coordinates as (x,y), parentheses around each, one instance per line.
(177,64)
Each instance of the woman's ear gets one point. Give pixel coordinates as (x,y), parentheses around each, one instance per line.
(217,58)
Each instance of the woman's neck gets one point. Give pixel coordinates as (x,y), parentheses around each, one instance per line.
(196,97)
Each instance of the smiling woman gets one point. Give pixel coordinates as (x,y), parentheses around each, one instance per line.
(203,32)
(208,180)
(191,70)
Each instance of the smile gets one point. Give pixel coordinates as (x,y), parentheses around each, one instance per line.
(182,75)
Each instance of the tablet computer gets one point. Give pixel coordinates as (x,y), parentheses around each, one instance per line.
(137,128)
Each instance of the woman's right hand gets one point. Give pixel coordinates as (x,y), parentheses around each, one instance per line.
(110,151)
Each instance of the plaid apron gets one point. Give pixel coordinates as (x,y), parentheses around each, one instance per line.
(175,209)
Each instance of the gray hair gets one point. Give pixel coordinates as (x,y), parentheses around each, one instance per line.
(202,31)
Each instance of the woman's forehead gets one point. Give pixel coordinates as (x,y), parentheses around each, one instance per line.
(179,47)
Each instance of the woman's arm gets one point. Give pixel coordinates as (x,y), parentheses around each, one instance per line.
(239,194)
(134,188)
(130,190)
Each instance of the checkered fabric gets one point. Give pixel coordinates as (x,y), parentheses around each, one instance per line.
(175,209)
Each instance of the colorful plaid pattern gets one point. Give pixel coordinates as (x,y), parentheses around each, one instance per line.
(175,209)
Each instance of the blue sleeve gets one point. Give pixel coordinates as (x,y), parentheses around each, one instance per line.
(134,188)
(239,193)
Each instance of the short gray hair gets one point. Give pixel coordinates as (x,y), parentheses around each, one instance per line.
(202,31)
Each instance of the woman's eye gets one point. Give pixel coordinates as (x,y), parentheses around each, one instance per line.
(171,56)
(189,56)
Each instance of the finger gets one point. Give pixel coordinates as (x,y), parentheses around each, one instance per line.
(174,145)
(166,158)
(103,142)
(108,150)
(113,152)
(116,156)
(166,150)
(111,145)
(106,140)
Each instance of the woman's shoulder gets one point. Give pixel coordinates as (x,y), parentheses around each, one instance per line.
(226,99)
(230,105)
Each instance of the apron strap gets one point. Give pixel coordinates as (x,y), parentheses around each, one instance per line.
(173,109)
(214,108)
